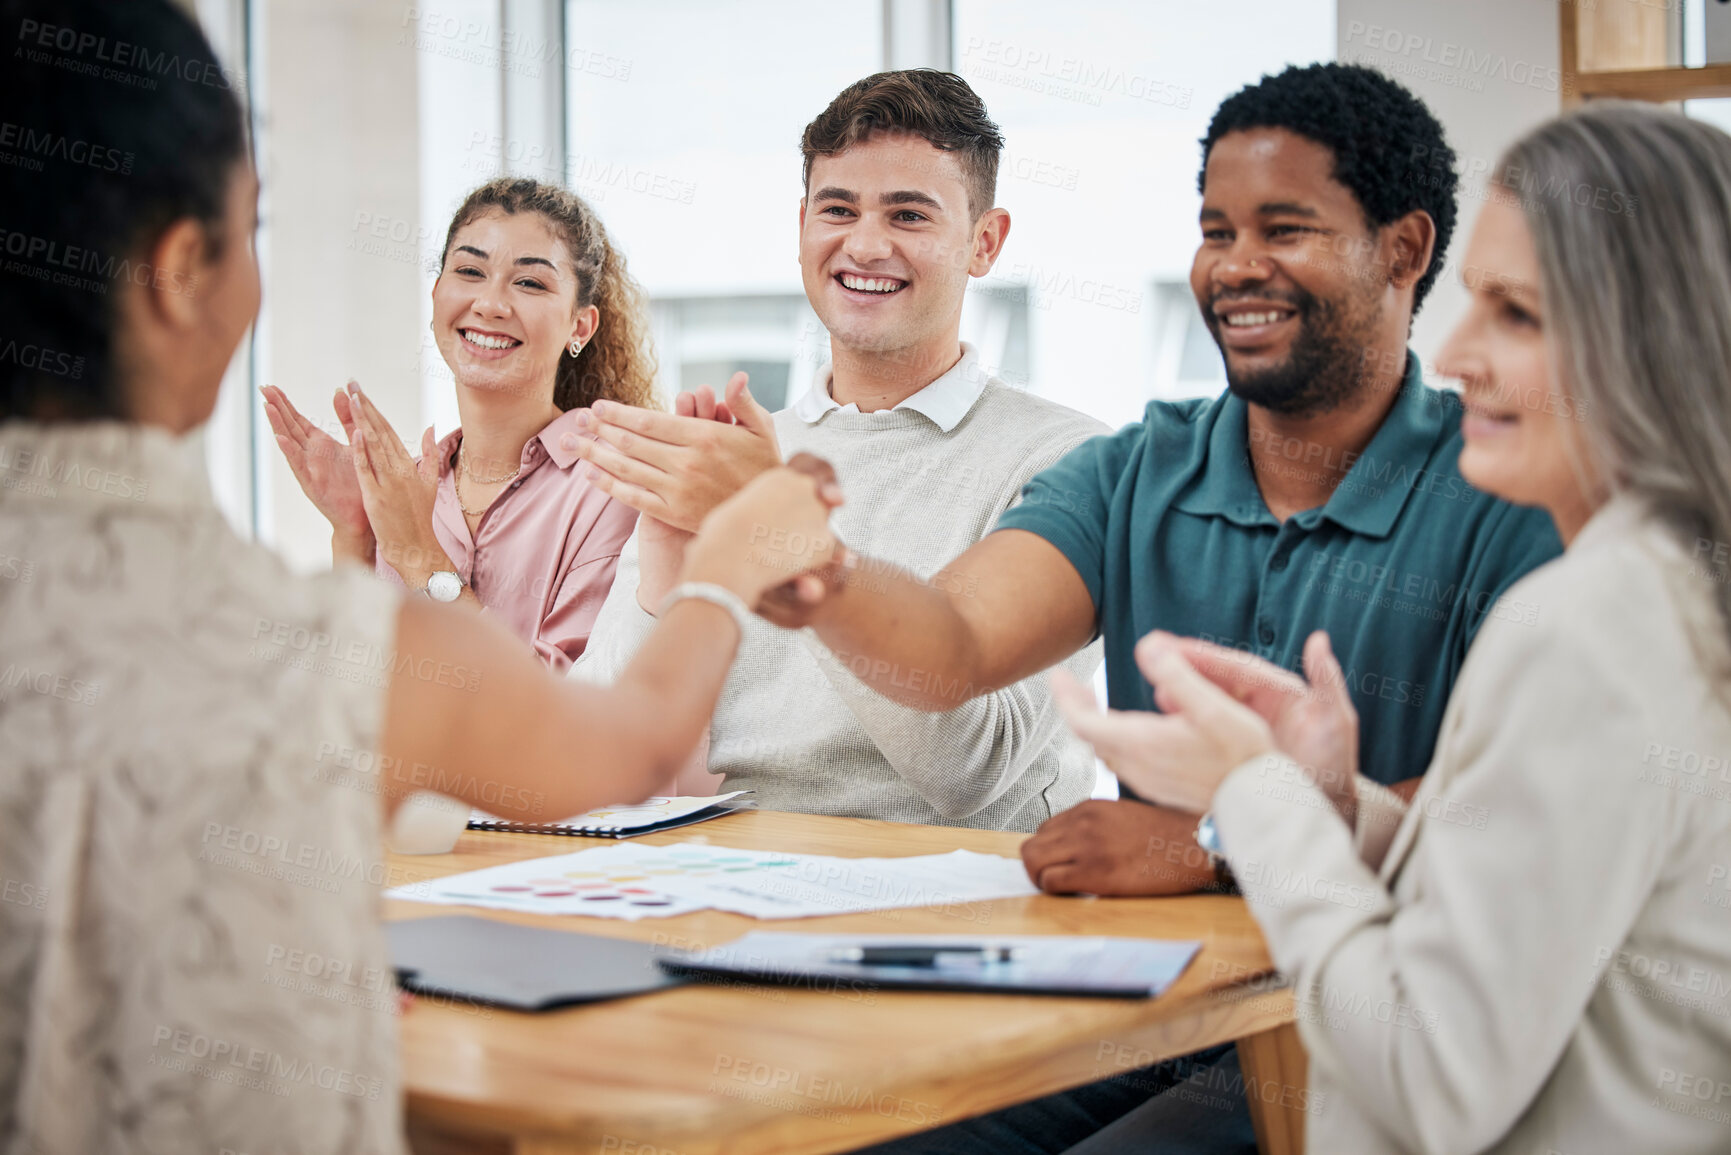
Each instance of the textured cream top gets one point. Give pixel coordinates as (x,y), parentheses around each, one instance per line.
(1542,960)
(190,951)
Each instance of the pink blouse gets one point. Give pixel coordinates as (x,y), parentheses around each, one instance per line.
(543,556)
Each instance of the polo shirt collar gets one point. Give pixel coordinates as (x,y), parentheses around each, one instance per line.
(1226,486)
(944,402)
(1368,500)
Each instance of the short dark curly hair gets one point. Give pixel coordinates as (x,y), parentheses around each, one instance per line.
(1388,148)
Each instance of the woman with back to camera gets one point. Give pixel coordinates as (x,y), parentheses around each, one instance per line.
(536,317)
(1534,955)
(196,746)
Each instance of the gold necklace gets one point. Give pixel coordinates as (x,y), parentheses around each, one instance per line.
(457,486)
(463,464)
(463,471)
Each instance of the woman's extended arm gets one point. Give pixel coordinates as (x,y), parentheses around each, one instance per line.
(484,720)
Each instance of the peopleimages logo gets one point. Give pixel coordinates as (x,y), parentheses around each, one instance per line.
(1462,66)
(33,143)
(42,359)
(119,60)
(226,1060)
(53,261)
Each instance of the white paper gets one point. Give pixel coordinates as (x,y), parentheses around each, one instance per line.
(633,881)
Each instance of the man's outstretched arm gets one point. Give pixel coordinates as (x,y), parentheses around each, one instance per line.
(1009,607)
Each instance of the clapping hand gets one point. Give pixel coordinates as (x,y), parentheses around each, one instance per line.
(1221,708)
(324,467)
(660,545)
(676,467)
(1312,718)
(398,492)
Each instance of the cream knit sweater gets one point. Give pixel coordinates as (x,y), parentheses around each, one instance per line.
(797,727)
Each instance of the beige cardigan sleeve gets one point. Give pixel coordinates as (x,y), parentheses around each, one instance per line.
(1443,1015)
(1380,813)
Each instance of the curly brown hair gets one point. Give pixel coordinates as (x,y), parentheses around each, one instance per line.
(618,363)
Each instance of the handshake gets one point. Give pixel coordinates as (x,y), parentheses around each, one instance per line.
(771,542)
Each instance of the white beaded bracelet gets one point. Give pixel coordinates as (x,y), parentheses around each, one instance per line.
(711,593)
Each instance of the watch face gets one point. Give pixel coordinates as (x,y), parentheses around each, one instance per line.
(444,586)
(1206,836)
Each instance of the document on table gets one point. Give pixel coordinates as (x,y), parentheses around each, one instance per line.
(633,881)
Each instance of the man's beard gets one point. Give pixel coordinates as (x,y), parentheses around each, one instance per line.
(1322,369)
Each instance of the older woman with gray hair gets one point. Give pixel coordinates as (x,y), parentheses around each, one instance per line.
(1535,955)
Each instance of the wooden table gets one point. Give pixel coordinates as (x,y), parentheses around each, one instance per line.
(705,1070)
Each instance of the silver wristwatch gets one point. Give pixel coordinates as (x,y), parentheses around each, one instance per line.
(444,586)
(1208,838)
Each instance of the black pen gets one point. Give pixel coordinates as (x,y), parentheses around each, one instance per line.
(916,956)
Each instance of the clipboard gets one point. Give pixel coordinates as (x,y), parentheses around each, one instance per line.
(1134,968)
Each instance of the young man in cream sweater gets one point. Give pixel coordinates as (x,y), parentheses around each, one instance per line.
(898,214)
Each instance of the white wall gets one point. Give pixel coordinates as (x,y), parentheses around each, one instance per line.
(1488,69)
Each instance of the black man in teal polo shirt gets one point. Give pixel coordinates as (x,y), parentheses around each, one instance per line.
(1401,565)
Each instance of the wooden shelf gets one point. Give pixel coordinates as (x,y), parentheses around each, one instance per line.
(1659,84)
(1629,49)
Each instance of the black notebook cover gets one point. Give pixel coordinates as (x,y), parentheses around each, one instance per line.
(526,968)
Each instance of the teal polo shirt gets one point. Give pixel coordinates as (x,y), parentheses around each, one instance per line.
(1165,524)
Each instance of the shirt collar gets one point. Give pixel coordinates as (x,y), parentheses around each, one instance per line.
(1368,500)
(102,464)
(1370,497)
(558,441)
(945,401)
(1226,486)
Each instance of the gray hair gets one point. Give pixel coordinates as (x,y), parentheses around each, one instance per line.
(1630,211)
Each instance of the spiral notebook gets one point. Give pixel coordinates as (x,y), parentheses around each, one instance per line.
(646,817)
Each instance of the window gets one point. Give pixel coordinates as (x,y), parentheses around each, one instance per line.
(705,340)
(688,147)
(1694,31)
(1186,359)
(1101,108)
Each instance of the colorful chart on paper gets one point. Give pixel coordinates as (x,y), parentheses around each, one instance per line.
(633,881)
